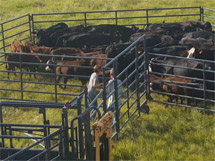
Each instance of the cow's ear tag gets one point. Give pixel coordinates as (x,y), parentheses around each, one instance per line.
(201,52)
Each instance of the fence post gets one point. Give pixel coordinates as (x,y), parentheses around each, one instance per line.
(65,132)
(88,139)
(85,19)
(148,97)
(127,93)
(30,29)
(147,17)
(21,75)
(33,28)
(137,78)
(201,14)
(204,85)
(47,145)
(80,130)
(104,92)
(2,32)
(2,128)
(55,77)
(115,72)
(116,19)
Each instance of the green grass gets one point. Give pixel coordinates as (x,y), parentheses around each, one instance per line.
(165,134)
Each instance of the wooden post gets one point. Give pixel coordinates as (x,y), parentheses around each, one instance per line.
(101,127)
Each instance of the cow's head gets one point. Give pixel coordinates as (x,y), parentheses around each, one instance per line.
(43,38)
(48,63)
(191,53)
(134,28)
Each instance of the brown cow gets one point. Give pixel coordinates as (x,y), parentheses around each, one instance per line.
(69,69)
(170,85)
(18,47)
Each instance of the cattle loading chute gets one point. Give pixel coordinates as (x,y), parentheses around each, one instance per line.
(162,58)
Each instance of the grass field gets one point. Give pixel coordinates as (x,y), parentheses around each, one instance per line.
(166,133)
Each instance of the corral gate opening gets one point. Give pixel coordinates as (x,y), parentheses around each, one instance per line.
(135,81)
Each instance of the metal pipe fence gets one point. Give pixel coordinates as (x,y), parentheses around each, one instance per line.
(38,76)
(22,27)
(198,93)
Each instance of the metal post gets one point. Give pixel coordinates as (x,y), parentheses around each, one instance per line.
(55,83)
(11,139)
(201,14)
(3,41)
(127,93)
(147,17)
(204,85)
(137,78)
(33,27)
(85,19)
(47,156)
(116,19)
(1,121)
(21,75)
(65,132)
(104,92)
(88,139)
(80,130)
(30,30)
(148,97)
(116,99)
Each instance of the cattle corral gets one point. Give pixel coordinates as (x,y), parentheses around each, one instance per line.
(134,73)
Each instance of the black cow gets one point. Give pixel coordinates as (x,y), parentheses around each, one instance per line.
(176,67)
(90,39)
(199,43)
(124,32)
(44,36)
(200,34)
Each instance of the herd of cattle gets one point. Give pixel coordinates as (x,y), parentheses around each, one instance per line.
(190,40)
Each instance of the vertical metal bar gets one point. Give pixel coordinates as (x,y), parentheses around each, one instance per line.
(3,41)
(204,85)
(127,93)
(147,17)
(11,139)
(1,121)
(47,156)
(85,97)
(88,139)
(30,29)
(116,18)
(147,88)
(72,141)
(65,132)
(202,14)
(80,130)
(21,75)
(137,78)
(85,19)
(55,83)
(104,92)
(61,146)
(116,99)
(33,27)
